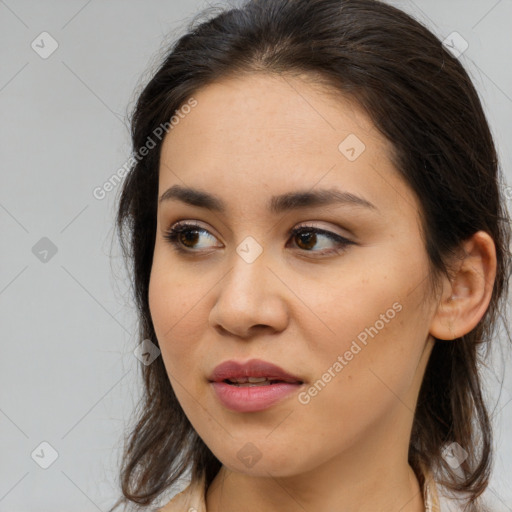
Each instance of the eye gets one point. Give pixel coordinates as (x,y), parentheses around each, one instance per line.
(185,236)
(309,236)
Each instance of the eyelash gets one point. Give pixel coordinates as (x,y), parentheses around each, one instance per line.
(173,233)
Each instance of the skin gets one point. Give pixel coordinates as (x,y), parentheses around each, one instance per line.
(247,139)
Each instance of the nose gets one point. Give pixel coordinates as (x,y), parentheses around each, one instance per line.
(251,299)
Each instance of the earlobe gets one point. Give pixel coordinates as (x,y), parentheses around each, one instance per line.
(466,296)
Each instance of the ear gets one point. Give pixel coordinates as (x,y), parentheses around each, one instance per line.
(466,295)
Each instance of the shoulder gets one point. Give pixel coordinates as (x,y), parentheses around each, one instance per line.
(191,499)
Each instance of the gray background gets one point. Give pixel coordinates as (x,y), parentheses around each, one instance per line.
(68,375)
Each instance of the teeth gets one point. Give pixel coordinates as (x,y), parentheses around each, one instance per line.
(243,380)
(252,384)
(250,381)
(257,379)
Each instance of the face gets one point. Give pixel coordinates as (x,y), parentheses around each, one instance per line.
(341,304)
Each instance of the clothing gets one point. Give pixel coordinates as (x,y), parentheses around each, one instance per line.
(191,499)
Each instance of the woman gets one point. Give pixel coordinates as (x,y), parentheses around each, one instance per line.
(319,248)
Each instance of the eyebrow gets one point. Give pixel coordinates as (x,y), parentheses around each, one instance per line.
(277,204)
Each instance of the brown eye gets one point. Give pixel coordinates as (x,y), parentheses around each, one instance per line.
(308,237)
(188,236)
(184,237)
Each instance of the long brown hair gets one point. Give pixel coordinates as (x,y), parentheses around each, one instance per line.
(421,99)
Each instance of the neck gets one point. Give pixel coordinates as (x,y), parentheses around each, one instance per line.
(354,485)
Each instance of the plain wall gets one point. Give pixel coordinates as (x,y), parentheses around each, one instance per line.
(68,375)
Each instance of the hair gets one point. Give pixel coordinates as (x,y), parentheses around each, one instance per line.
(422,100)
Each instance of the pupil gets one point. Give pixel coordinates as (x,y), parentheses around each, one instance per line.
(305,237)
(190,236)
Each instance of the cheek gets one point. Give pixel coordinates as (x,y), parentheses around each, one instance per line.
(352,395)
(373,333)
(178,318)
(175,321)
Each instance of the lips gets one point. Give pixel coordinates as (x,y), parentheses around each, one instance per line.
(254,368)
(252,386)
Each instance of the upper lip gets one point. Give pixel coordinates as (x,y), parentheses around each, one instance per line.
(252,368)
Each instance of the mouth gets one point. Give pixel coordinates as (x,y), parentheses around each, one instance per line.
(252,386)
(258,381)
(254,372)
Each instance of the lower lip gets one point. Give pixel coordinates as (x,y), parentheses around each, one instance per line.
(252,398)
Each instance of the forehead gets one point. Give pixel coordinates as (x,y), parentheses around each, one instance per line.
(271,134)
(266,115)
